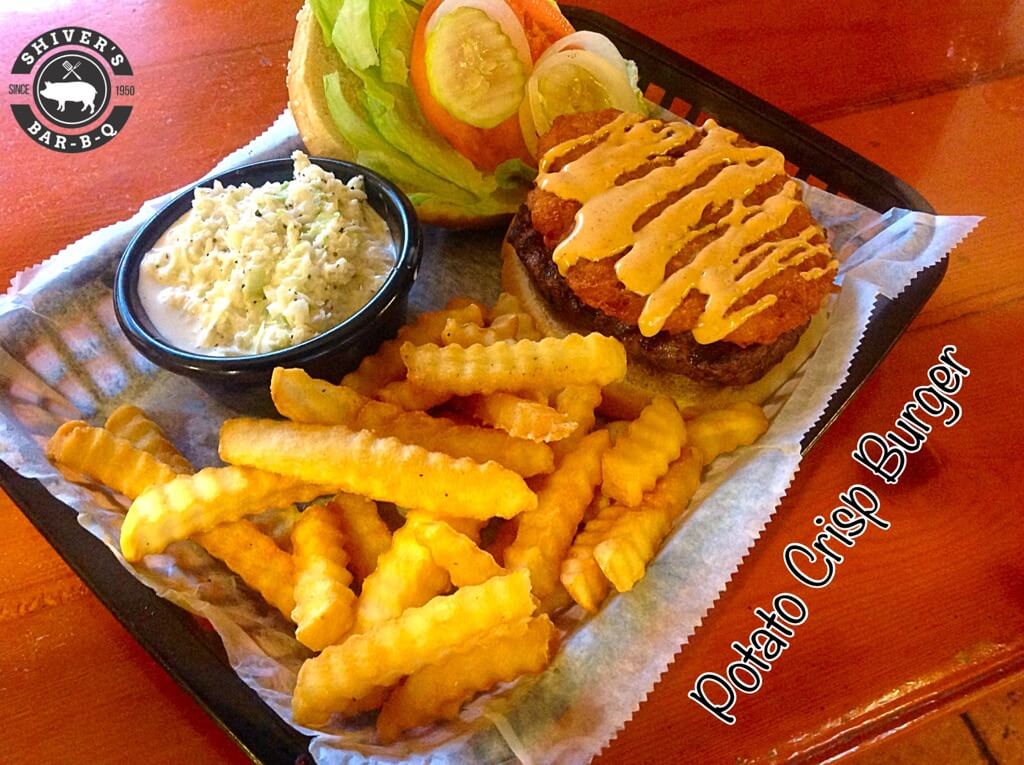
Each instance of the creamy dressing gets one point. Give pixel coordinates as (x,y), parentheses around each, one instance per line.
(176,327)
(604,225)
(252,270)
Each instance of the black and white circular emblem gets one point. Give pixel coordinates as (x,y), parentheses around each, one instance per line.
(71,89)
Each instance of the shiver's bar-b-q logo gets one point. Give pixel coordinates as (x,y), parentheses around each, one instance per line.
(71,89)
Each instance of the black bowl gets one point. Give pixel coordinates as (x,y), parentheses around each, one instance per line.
(243,382)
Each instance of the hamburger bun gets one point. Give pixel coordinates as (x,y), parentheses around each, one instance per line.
(309,60)
(625,399)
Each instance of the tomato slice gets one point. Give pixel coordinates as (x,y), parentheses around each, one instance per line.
(543,23)
(485,147)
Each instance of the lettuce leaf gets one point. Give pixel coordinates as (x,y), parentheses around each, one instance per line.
(326,12)
(395,47)
(396,114)
(353,35)
(633,75)
(514,174)
(376,153)
(374,107)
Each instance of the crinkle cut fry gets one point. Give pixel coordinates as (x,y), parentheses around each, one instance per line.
(506,304)
(189,504)
(641,456)
(635,536)
(519,417)
(580,574)
(367,537)
(405,577)
(401,646)
(376,371)
(502,328)
(102,456)
(411,396)
(550,363)
(302,398)
(439,690)
(256,559)
(724,430)
(579,403)
(545,534)
(383,469)
(386,366)
(324,601)
(454,552)
(527,458)
(527,328)
(240,545)
(509,305)
(131,423)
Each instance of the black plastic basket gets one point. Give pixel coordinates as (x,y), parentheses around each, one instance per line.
(194,656)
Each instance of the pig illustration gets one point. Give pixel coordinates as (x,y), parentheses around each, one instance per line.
(83,93)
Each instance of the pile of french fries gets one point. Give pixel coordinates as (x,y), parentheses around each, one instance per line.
(516,500)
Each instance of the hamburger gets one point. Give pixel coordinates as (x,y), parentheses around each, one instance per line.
(691,245)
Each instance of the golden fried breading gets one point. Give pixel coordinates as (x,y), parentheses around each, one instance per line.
(569,126)
(553,216)
(595,281)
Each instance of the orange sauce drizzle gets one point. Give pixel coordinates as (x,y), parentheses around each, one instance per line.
(721,270)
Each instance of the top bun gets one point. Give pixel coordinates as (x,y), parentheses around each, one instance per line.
(309,61)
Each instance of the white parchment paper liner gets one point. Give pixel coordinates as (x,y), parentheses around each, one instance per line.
(62,355)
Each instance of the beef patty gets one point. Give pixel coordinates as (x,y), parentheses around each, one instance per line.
(721,363)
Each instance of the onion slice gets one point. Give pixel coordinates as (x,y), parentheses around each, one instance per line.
(613,80)
(530,134)
(589,41)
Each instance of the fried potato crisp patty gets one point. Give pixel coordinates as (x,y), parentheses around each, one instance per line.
(595,281)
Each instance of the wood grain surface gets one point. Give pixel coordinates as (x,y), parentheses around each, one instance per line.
(918,620)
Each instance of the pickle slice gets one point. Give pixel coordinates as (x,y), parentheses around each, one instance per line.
(473,68)
(571,89)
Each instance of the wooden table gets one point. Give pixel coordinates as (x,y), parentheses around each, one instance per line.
(916,622)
